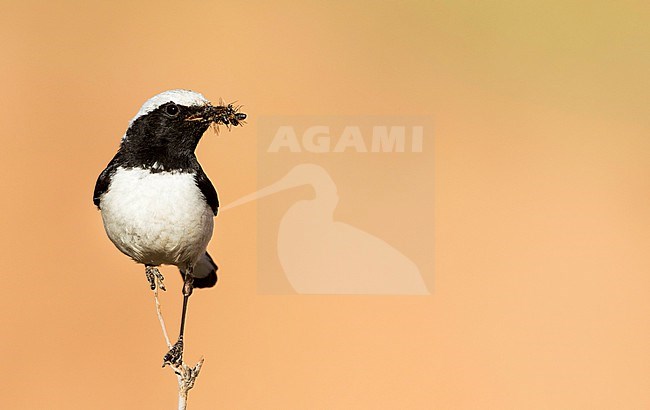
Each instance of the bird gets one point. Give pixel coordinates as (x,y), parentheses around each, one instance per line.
(156,202)
(320,255)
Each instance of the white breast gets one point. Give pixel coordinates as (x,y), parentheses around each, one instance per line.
(157,218)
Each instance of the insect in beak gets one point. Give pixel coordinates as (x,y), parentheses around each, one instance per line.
(220,115)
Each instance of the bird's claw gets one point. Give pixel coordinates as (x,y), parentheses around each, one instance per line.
(154,277)
(175,354)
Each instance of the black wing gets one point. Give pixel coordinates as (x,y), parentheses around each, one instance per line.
(104,180)
(207,189)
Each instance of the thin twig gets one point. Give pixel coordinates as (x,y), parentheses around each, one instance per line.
(185,375)
(160,318)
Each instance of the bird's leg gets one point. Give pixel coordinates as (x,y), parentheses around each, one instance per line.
(175,354)
(154,277)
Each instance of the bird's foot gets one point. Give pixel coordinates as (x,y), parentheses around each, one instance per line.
(175,355)
(154,277)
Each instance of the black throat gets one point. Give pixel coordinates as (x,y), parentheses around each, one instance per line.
(162,144)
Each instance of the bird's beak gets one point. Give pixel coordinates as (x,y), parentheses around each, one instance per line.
(224,115)
(212,113)
(301,174)
(208,113)
(278,186)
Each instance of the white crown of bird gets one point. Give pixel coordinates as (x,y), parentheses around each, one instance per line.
(180,97)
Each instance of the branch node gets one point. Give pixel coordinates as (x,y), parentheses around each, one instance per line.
(185,375)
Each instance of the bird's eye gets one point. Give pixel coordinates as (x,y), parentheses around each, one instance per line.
(172,110)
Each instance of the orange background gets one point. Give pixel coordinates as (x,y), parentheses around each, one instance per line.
(542,205)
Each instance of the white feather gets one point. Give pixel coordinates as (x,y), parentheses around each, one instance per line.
(157,218)
(187,98)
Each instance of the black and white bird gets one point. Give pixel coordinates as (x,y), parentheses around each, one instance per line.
(157,204)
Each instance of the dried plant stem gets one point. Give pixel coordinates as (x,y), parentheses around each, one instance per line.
(185,375)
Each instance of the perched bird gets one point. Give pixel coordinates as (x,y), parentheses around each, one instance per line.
(157,204)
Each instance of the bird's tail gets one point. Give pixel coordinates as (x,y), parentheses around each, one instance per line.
(205,272)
